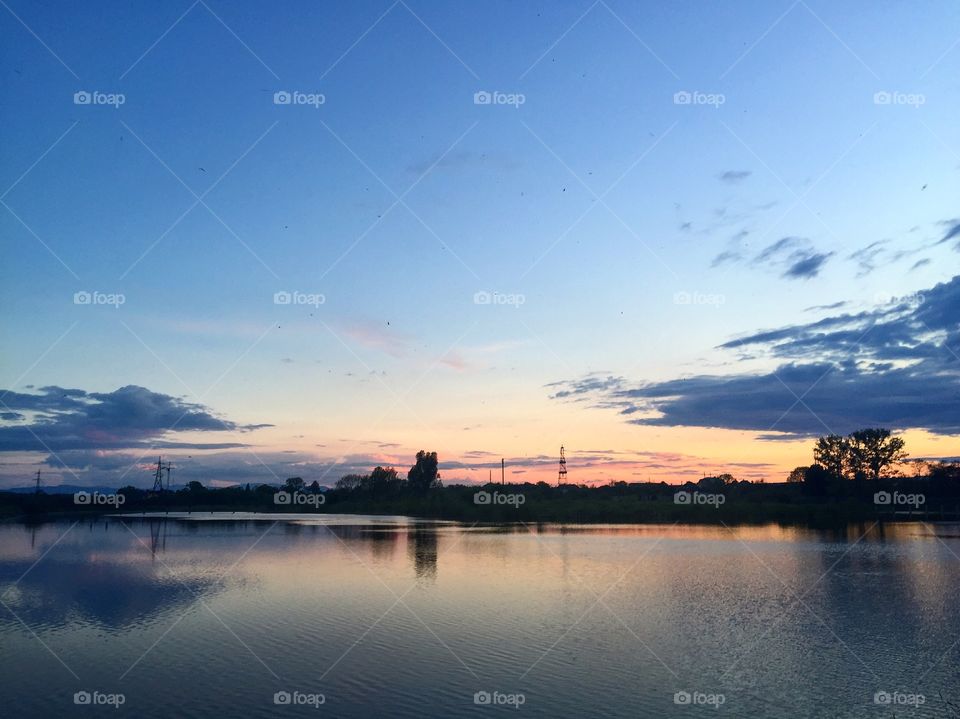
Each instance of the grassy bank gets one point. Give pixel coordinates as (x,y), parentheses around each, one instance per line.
(647,503)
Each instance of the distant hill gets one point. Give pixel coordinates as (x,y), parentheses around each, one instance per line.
(67,489)
(71,488)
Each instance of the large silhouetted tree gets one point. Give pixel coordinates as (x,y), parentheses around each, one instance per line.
(944,471)
(833,454)
(424,475)
(382,479)
(863,454)
(797,474)
(349,482)
(874,450)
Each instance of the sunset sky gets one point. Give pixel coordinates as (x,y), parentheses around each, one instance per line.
(681,238)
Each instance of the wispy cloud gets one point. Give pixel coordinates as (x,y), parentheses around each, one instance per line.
(454,360)
(952,232)
(867,257)
(733,177)
(462,160)
(378,337)
(832,306)
(794,257)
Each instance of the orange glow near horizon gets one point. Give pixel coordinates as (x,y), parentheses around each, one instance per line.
(613,452)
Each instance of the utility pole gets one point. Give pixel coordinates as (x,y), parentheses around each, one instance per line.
(37,490)
(503,474)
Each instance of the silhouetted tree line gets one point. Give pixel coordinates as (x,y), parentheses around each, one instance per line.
(837,488)
(423,476)
(865,458)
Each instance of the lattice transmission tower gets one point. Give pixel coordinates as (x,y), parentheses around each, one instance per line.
(158,475)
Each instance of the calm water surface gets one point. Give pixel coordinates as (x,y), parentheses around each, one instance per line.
(212,615)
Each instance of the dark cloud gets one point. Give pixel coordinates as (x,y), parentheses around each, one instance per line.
(733,177)
(893,366)
(240,465)
(776,250)
(116,595)
(952,232)
(726,256)
(834,306)
(806,265)
(795,257)
(54,419)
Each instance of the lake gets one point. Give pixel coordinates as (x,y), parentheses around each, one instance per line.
(231,615)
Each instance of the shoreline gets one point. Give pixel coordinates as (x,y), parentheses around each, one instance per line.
(902,500)
(740,516)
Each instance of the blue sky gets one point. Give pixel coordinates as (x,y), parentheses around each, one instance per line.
(595,201)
